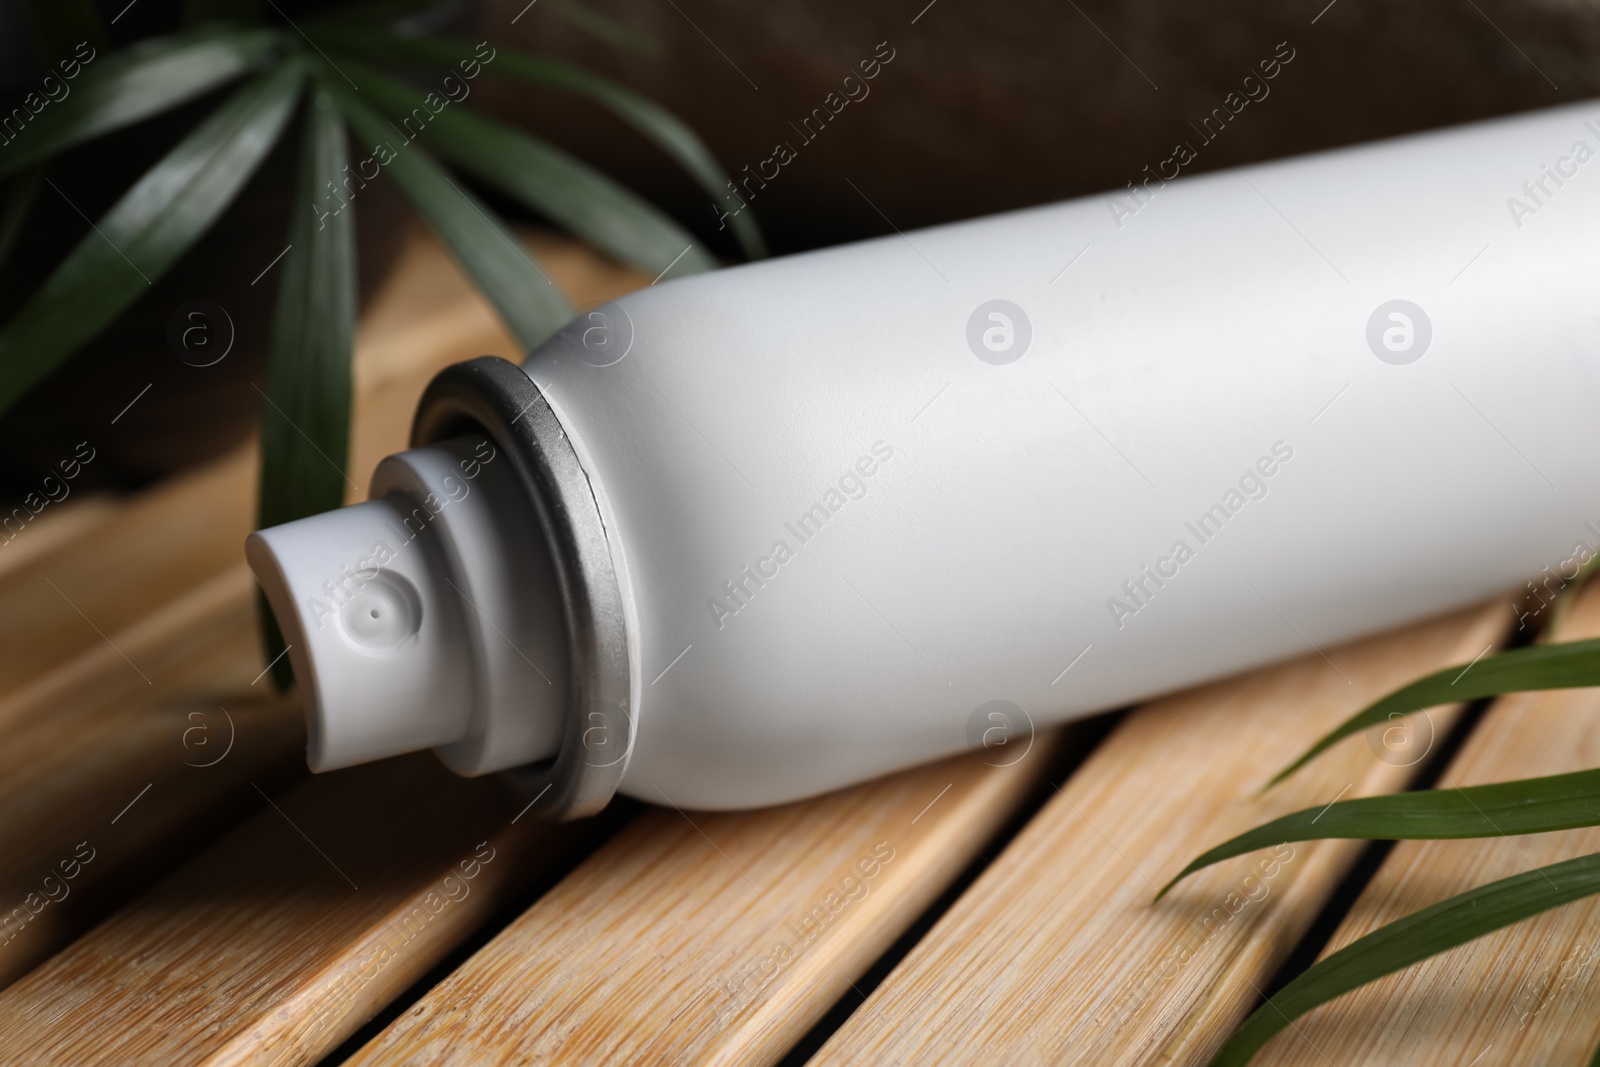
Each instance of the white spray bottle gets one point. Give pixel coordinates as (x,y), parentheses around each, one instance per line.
(753,535)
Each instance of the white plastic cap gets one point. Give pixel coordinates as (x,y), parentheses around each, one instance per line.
(424,618)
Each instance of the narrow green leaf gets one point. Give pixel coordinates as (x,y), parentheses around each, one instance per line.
(527,300)
(305,424)
(20,194)
(1594,1061)
(305,416)
(660,126)
(57,27)
(116,90)
(198,11)
(1525,806)
(604,28)
(548,180)
(145,232)
(1425,933)
(1563,666)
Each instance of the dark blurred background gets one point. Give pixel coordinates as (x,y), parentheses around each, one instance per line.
(990,106)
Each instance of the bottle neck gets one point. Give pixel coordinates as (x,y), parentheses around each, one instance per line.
(426,617)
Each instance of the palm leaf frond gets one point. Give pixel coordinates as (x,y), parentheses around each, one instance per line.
(572,194)
(1525,806)
(154,223)
(145,79)
(521,292)
(1416,937)
(1571,665)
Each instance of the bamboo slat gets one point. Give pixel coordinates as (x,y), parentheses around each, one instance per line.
(1526,994)
(74,518)
(1056,954)
(136,774)
(282,939)
(713,938)
(67,598)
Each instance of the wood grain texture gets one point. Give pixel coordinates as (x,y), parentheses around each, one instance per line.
(1056,954)
(282,939)
(1524,995)
(138,774)
(72,519)
(158,545)
(713,938)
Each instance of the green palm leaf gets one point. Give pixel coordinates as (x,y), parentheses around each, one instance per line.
(305,426)
(116,90)
(1526,806)
(305,418)
(146,231)
(655,122)
(603,27)
(1564,666)
(571,193)
(1409,940)
(528,302)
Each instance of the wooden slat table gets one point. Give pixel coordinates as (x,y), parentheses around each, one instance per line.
(236,910)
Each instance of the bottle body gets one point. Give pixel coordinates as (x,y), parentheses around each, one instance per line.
(850,524)
(866,507)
